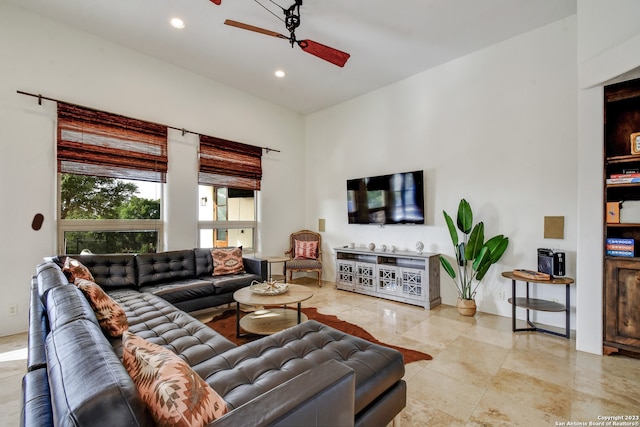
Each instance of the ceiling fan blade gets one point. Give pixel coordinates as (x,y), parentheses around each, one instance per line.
(335,56)
(218,2)
(255,29)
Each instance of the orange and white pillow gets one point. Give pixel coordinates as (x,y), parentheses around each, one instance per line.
(173,392)
(227,261)
(74,269)
(305,250)
(110,315)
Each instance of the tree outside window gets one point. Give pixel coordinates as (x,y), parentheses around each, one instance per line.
(108,215)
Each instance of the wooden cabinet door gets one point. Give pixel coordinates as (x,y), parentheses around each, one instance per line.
(622,304)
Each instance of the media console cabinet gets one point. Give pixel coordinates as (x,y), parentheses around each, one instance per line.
(407,277)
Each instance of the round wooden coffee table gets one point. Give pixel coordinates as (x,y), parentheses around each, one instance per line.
(270,320)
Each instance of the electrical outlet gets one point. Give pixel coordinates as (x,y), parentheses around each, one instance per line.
(501,295)
(12,310)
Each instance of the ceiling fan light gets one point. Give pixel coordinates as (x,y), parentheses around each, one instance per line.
(177,23)
(280,74)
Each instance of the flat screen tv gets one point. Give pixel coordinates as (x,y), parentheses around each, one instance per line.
(386,199)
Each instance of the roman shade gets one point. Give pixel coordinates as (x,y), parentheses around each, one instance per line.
(97,143)
(229,164)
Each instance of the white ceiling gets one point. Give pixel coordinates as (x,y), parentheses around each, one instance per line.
(388,40)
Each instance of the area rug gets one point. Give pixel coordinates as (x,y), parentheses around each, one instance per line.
(225,324)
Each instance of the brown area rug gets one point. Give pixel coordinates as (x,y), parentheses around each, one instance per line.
(225,324)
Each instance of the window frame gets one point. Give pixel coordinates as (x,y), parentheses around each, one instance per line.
(232,224)
(108,225)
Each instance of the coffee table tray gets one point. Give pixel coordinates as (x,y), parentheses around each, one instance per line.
(268,288)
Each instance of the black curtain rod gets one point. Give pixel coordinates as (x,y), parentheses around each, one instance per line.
(183,130)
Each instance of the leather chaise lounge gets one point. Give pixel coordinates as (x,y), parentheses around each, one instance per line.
(309,374)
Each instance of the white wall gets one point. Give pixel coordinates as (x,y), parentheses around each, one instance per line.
(42,56)
(497,127)
(608,46)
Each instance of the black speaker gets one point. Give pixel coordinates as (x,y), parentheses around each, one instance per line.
(551,262)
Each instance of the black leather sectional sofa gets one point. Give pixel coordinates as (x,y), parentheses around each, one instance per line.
(184,278)
(306,375)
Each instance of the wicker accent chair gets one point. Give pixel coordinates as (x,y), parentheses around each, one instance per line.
(304,262)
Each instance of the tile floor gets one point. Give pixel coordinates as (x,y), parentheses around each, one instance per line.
(481,373)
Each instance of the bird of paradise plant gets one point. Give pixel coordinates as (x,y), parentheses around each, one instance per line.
(474,255)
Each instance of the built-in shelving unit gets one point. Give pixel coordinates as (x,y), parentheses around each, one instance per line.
(621,273)
(407,277)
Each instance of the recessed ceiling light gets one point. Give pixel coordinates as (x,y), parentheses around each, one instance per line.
(177,23)
(280,74)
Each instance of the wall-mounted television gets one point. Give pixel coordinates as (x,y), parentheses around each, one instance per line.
(386,199)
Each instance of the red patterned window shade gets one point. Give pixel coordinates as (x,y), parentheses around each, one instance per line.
(97,143)
(229,164)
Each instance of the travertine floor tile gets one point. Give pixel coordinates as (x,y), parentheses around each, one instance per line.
(536,393)
(496,409)
(542,366)
(452,396)
(419,414)
(470,361)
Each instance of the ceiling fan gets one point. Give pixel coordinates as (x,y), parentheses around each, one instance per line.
(292,22)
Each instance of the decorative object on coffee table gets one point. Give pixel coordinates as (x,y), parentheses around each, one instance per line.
(474,256)
(271,287)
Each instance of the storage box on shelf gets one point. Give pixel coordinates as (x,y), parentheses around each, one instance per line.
(406,277)
(622,213)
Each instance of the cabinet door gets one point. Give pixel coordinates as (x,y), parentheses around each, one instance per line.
(412,283)
(388,279)
(622,299)
(345,274)
(366,276)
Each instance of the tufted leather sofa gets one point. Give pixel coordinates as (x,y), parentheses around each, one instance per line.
(307,375)
(184,278)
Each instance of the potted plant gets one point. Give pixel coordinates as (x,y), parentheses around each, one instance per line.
(474,256)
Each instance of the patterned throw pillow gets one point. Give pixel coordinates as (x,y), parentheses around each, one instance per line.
(74,269)
(227,261)
(305,250)
(110,315)
(173,392)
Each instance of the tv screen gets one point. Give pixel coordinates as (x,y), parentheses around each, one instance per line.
(386,199)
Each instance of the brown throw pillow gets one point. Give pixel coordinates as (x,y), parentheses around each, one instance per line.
(110,315)
(227,261)
(173,392)
(74,269)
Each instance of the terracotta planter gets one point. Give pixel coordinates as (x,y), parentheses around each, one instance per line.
(466,307)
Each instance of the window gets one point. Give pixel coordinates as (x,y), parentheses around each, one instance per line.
(111,170)
(227,217)
(108,215)
(229,174)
